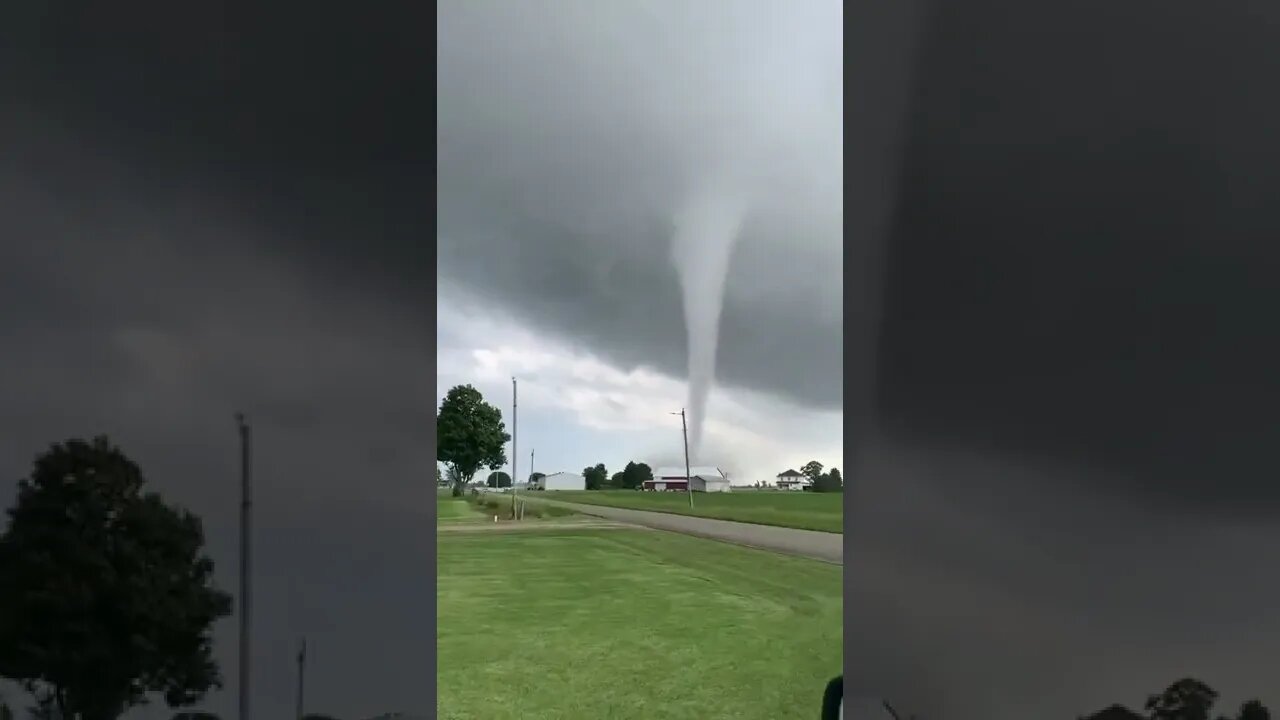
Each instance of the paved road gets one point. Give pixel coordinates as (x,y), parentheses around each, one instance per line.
(828,547)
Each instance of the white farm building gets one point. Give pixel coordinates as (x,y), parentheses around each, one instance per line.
(561,481)
(701,479)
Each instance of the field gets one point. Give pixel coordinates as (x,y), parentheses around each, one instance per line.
(624,623)
(450,509)
(807,511)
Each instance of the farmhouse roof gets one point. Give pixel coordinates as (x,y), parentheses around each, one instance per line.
(789,473)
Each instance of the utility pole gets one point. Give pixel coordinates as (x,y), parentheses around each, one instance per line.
(302,675)
(513,448)
(688,481)
(246,555)
(530,479)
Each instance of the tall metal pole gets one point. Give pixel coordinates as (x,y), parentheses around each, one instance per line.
(246,555)
(513,447)
(688,481)
(302,675)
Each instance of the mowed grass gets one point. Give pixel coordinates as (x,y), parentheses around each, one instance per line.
(807,511)
(451,509)
(580,625)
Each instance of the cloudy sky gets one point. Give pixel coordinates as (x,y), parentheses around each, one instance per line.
(567,153)
(1051,365)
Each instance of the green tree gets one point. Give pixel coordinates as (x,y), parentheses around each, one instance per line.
(1186,699)
(108,593)
(470,435)
(498,479)
(635,474)
(1254,710)
(596,476)
(618,480)
(812,470)
(829,482)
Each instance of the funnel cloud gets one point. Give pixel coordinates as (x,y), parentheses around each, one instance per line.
(705,234)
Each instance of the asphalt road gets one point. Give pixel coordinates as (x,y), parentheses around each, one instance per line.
(828,547)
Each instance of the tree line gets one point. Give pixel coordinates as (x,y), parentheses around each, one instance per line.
(819,481)
(1186,699)
(471,436)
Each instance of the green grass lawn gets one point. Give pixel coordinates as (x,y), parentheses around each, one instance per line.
(580,625)
(452,509)
(807,511)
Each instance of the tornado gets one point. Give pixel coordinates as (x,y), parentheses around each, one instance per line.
(706,230)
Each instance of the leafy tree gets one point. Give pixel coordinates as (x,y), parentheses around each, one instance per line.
(108,594)
(470,435)
(618,480)
(1254,710)
(812,470)
(635,474)
(1186,699)
(829,482)
(595,476)
(498,479)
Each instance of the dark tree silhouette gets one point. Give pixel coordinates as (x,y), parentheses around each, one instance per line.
(1186,699)
(107,592)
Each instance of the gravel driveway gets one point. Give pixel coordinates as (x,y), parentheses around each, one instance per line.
(828,547)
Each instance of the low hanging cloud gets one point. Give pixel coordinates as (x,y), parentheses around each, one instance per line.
(573,387)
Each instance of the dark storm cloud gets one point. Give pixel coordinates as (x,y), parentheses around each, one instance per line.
(1039,598)
(1083,261)
(570,133)
(205,211)
(146,307)
(1071,492)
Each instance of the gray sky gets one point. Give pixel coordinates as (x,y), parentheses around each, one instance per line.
(1065,500)
(570,136)
(1069,491)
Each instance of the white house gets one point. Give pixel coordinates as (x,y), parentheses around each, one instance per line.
(701,479)
(561,481)
(792,480)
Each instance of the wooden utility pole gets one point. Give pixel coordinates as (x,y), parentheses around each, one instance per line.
(246,556)
(513,448)
(302,676)
(688,481)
